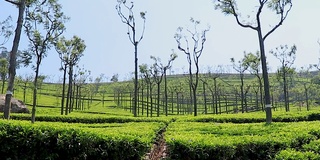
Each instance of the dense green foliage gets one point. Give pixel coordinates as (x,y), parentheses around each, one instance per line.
(256,117)
(76,141)
(194,140)
(290,154)
(90,120)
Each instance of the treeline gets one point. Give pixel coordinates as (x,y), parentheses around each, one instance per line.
(219,93)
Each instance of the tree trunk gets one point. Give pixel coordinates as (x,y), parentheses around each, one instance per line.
(77,96)
(142,100)
(265,77)
(135,78)
(242,93)
(212,101)
(80,98)
(307,96)
(191,99)
(13,55)
(24,92)
(165,92)
(2,88)
(148,95)
(69,92)
(158,99)
(35,84)
(63,88)
(195,105)
(261,94)
(205,98)
(172,102)
(215,100)
(73,94)
(151,102)
(285,89)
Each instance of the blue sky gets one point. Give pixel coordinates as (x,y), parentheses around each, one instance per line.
(109,50)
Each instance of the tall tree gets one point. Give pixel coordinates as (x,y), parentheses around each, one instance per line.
(73,59)
(193,54)
(12,63)
(253,63)
(25,81)
(130,21)
(214,73)
(147,77)
(306,81)
(157,75)
(80,82)
(173,56)
(159,71)
(102,86)
(70,52)
(44,24)
(281,8)
(240,66)
(3,72)
(286,56)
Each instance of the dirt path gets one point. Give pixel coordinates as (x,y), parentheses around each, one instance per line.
(159,148)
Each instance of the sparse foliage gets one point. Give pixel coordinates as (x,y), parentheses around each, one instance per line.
(281,8)
(193,50)
(5,31)
(286,56)
(130,21)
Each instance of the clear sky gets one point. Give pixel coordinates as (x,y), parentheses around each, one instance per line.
(109,50)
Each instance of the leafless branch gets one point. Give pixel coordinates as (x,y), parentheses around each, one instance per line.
(13,2)
(283,16)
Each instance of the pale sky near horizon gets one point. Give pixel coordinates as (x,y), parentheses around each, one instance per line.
(109,50)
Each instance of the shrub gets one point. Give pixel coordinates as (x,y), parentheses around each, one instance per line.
(22,140)
(291,154)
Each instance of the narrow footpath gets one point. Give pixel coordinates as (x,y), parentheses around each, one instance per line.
(159,148)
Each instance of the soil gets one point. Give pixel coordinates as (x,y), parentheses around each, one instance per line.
(159,148)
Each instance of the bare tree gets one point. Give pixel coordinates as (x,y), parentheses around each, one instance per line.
(281,8)
(157,75)
(159,71)
(193,54)
(173,56)
(286,57)
(130,21)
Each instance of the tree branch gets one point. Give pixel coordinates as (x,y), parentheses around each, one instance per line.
(231,5)
(283,16)
(13,2)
